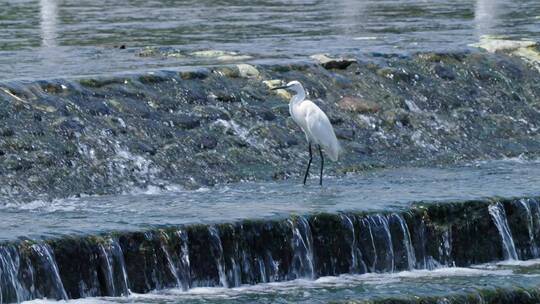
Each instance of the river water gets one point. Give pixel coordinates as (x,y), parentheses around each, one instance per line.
(389,189)
(53,38)
(444,282)
(56,39)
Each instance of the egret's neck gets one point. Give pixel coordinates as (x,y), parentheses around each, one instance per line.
(299,96)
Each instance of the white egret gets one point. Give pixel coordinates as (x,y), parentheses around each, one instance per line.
(315,124)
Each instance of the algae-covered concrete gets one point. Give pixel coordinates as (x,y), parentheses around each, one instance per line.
(428,236)
(64,137)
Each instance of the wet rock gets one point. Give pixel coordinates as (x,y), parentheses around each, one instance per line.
(70,124)
(267,115)
(333,63)
(335,119)
(281,137)
(281,92)
(100,82)
(53,88)
(279,175)
(211,113)
(488,110)
(7,132)
(398,117)
(186,121)
(148,52)
(152,78)
(358,105)
(444,72)
(195,74)
(431,57)
(227,71)
(98,108)
(160,52)
(346,134)
(395,74)
(227,97)
(145,148)
(208,142)
(262,113)
(16,163)
(247,71)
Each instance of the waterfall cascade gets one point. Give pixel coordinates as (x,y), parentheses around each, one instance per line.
(251,252)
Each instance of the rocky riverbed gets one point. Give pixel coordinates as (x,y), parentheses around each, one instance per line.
(64,137)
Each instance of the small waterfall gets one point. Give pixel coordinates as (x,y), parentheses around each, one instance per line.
(48,263)
(184,267)
(407,243)
(357,262)
(118,257)
(302,245)
(248,272)
(530,227)
(534,207)
(445,248)
(108,271)
(235,273)
(380,232)
(10,284)
(499,218)
(262,271)
(368,243)
(114,268)
(169,260)
(268,268)
(218,255)
(253,252)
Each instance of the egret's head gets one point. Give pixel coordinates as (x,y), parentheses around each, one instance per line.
(294,86)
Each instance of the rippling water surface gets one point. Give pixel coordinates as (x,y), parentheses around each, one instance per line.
(54,38)
(392,189)
(402,285)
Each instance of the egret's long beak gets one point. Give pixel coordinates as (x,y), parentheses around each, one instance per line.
(277,88)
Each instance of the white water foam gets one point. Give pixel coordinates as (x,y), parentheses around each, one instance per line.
(323,282)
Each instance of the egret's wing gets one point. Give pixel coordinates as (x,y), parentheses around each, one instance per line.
(321,131)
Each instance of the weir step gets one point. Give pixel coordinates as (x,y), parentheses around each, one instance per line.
(427,236)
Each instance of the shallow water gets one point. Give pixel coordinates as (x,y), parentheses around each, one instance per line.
(389,189)
(52,38)
(406,284)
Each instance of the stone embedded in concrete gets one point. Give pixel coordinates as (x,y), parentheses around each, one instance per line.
(333,63)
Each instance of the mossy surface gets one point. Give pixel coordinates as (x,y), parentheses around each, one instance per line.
(105,135)
(427,236)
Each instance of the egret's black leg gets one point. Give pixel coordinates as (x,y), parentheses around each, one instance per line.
(309,163)
(322,164)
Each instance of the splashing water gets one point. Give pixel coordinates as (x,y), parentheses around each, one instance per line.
(499,218)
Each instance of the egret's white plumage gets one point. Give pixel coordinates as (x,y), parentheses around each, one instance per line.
(315,124)
(313,121)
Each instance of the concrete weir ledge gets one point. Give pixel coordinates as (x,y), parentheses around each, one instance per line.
(109,134)
(429,235)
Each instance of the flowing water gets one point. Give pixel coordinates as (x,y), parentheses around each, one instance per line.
(401,285)
(52,38)
(291,259)
(499,217)
(82,114)
(388,189)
